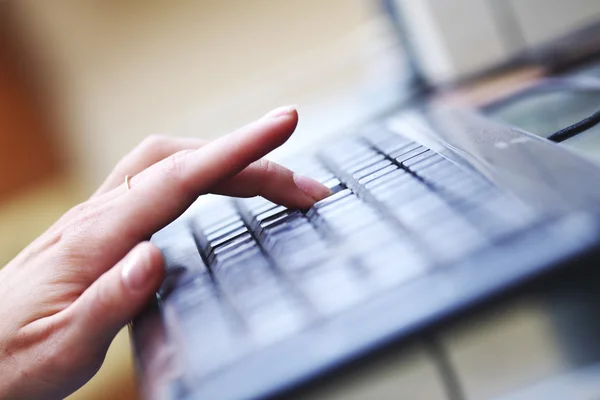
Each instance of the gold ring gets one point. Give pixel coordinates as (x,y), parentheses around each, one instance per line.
(127,185)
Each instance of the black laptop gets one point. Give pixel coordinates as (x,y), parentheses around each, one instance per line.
(434,212)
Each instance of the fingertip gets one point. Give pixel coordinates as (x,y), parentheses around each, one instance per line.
(154,254)
(284,120)
(311,188)
(283,111)
(121,293)
(293,118)
(157,261)
(144,268)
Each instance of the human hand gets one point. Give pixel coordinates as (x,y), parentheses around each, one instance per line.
(65,296)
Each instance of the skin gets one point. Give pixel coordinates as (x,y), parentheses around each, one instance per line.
(66,295)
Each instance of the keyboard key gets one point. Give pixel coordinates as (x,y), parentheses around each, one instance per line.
(321,175)
(221,228)
(404,150)
(341,202)
(376,175)
(215,340)
(403,192)
(334,185)
(419,207)
(276,319)
(453,238)
(297,260)
(295,245)
(355,167)
(204,324)
(232,248)
(267,215)
(210,229)
(374,133)
(253,203)
(214,214)
(273,221)
(463,189)
(332,287)
(331,199)
(391,144)
(179,250)
(182,262)
(342,221)
(291,240)
(394,264)
(304,165)
(390,179)
(402,159)
(287,220)
(342,159)
(249,273)
(196,293)
(356,176)
(420,158)
(270,213)
(263,207)
(370,238)
(295,221)
(222,235)
(444,170)
(416,164)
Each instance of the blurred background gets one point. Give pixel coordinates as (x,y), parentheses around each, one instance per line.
(82,82)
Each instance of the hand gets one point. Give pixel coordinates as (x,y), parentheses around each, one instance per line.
(65,297)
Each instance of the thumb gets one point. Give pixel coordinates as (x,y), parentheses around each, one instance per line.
(120,293)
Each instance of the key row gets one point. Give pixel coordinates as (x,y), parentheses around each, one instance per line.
(463,191)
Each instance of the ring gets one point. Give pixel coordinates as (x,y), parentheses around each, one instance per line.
(127,185)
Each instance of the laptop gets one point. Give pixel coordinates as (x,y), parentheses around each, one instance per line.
(434,212)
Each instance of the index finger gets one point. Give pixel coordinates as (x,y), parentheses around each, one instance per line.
(165,190)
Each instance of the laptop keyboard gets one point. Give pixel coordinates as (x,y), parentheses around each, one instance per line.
(260,272)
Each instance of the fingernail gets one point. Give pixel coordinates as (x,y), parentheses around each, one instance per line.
(311,188)
(136,272)
(279,112)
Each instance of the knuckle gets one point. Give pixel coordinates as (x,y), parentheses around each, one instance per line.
(268,171)
(77,211)
(153,145)
(268,167)
(175,165)
(150,147)
(82,222)
(66,231)
(273,171)
(154,141)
